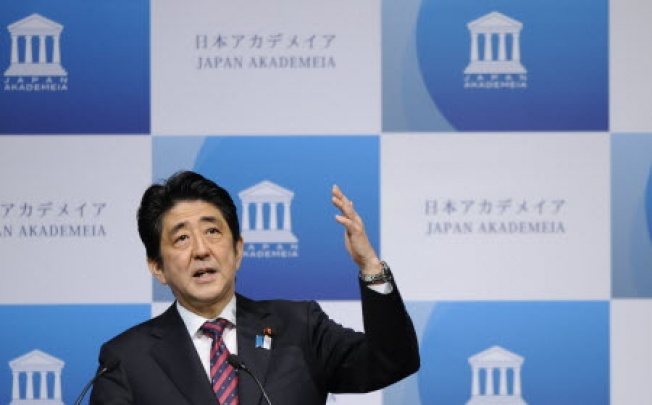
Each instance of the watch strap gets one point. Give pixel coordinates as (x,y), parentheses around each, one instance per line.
(384,276)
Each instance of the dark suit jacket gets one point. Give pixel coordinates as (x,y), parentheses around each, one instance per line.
(311,355)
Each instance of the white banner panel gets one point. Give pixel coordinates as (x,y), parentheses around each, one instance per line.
(631,353)
(630,87)
(290,66)
(68,207)
(479,216)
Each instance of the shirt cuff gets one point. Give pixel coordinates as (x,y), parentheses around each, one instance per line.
(384,288)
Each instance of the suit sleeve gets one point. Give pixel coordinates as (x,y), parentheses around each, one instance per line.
(387,352)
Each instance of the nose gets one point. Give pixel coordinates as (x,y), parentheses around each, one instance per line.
(199,247)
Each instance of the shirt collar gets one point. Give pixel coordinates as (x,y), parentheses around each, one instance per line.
(193,321)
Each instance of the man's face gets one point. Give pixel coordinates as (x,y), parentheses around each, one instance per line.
(199,260)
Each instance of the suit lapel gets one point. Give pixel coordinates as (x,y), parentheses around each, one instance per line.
(177,357)
(251,320)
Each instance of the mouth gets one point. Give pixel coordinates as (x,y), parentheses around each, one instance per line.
(204,273)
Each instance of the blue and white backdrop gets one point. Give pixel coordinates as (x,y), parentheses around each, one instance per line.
(499,150)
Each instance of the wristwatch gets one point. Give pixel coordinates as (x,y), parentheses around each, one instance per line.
(384,276)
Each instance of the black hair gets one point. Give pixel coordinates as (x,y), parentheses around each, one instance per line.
(158,199)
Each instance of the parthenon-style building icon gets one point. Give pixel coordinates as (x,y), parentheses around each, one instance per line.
(266,197)
(47,60)
(37,367)
(488,363)
(487,61)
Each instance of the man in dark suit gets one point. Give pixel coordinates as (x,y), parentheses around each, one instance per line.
(191,233)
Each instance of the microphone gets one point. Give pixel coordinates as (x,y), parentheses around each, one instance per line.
(109,366)
(234,360)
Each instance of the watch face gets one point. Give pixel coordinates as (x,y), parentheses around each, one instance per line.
(385,267)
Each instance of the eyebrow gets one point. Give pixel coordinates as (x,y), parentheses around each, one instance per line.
(205,219)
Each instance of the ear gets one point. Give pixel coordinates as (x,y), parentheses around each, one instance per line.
(239,250)
(157,270)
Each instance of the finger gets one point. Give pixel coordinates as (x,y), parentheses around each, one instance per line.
(343,203)
(349,218)
(337,197)
(347,206)
(343,220)
(337,191)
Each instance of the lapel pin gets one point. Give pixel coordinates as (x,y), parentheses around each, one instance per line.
(264,341)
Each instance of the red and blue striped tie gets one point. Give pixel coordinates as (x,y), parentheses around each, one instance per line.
(224,376)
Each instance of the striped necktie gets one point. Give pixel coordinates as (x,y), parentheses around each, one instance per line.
(224,377)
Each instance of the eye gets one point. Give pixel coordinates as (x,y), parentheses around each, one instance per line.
(213,231)
(181,238)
